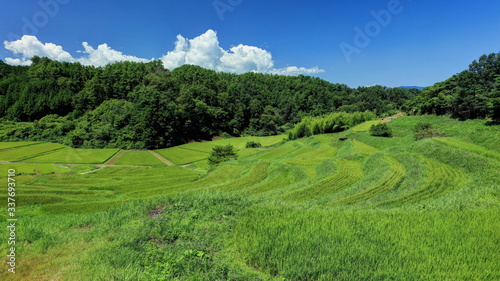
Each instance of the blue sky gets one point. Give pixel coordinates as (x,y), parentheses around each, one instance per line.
(413,42)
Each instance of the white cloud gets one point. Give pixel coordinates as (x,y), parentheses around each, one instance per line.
(29,46)
(177,57)
(203,50)
(17,61)
(104,55)
(244,58)
(293,70)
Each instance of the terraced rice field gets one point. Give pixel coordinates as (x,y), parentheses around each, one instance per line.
(310,209)
(279,152)
(467,146)
(144,158)
(347,172)
(326,168)
(440,178)
(362,148)
(365,126)
(319,151)
(256,175)
(75,156)
(182,156)
(390,182)
(10,145)
(238,143)
(47,169)
(29,152)
(284,176)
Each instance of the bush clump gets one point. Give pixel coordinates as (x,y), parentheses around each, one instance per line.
(425,130)
(421,126)
(329,123)
(381,130)
(222,153)
(253,144)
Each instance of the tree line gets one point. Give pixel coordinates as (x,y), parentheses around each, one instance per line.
(471,94)
(143,105)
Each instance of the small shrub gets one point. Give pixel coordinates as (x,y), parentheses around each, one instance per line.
(253,144)
(425,130)
(225,135)
(381,130)
(421,126)
(429,133)
(222,153)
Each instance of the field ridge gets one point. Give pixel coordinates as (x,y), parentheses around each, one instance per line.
(161,158)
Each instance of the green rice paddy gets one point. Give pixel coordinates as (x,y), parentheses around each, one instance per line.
(29,151)
(76,156)
(318,208)
(144,158)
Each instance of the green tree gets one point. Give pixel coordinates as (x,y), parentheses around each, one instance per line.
(494,105)
(221,154)
(381,130)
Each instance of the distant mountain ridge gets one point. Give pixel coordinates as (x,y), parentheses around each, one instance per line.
(412,87)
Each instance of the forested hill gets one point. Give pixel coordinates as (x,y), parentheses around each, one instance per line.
(470,94)
(144,105)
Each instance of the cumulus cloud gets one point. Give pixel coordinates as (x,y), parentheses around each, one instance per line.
(104,55)
(203,50)
(17,61)
(244,58)
(29,46)
(293,70)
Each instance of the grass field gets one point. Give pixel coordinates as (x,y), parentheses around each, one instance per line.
(21,153)
(138,158)
(76,156)
(238,143)
(365,126)
(182,156)
(47,169)
(198,151)
(317,208)
(10,145)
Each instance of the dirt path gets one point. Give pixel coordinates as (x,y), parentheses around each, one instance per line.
(95,170)
(390,118)
(113,160)
(161,158)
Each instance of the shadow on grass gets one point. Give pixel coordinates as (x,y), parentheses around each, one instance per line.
(492,123)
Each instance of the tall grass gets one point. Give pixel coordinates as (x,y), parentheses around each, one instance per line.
(348,172)
(390,182)
(369,245)
(440,178)
(330,123)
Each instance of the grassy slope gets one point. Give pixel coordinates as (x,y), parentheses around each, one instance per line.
(311,209)
(76,156)
(28,152)
(198,151)
(138,158)
(10,145)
